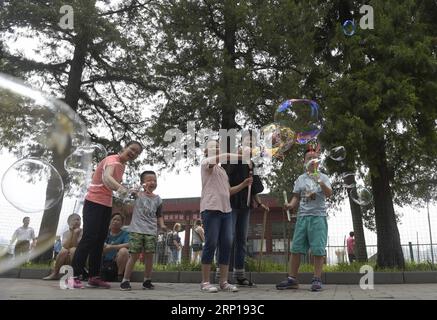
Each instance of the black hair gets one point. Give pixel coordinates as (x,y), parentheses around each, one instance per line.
(249,133)
(351,234)
(198,222)
(145,173)
(118,214)
(26,218)
(308,150)
(134,142)
(71,217)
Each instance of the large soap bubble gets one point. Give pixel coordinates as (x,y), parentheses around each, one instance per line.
(362,197)
(277,140)
(32,185)
(302,116)
(37,133)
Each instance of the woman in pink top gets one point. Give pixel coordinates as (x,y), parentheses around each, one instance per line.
(216,210)
(97,211)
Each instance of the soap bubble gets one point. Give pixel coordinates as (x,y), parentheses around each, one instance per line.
(32,185)
(301,116)
(277,140)
(349,27)
(337,153)
(37,133)
(363,196)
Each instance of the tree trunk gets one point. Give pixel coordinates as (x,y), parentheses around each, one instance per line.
(389,247)
(357,222)
(229,107)
(50,220)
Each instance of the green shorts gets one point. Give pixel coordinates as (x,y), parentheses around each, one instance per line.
(310,232)
(139,242)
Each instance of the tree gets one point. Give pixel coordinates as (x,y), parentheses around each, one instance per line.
(100,69)
(378,107)
(215,64)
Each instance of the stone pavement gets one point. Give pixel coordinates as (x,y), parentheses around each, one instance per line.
(29,289)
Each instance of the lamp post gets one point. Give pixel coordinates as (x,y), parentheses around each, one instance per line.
(430,232)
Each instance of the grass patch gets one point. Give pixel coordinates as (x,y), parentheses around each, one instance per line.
(253,265)
(183,266)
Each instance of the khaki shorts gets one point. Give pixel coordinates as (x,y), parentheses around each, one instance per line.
(139,242)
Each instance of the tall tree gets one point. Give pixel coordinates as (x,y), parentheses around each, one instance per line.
(377,107)
(101,68)
(215,64)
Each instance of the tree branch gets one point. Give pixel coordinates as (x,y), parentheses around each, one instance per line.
(130,7)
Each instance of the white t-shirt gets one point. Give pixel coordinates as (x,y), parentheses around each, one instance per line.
(24,234)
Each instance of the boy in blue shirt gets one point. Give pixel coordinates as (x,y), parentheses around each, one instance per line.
(311,230)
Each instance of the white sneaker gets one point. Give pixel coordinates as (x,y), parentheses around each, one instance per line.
(207,287)
(228,287)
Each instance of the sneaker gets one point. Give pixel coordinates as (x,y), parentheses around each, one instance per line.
(125,286)
(207,287)
(97,282)
(316,284)
(290,283)
(74,283)
(245,282)
(148,285)
(228,287)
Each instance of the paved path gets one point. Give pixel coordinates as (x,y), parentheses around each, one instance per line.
(50,290)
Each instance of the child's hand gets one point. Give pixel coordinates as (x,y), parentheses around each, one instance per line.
(146,188)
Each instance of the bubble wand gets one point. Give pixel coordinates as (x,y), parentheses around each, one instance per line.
(249,188)
(286,201)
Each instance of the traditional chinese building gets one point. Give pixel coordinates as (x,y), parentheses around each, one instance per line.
(186,211)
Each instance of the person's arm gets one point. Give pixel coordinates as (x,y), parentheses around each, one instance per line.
(14,237)
(77,235)
(201,234)
(110,182)
(161,223)
(66,239)
(326,190)
(72,240)
(32,236)
(223,158)
(235,189)
(110,247)
(175,244)
(260,204)
(119,246)
(294,203)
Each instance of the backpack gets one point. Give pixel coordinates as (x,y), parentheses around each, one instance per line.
(170,239)
(109,271)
